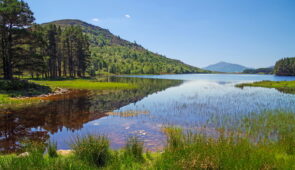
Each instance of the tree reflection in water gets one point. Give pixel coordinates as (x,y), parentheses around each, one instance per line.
(70,111)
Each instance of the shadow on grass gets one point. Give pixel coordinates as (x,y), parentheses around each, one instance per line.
(22,88)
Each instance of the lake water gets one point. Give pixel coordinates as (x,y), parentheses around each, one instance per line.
(188,101)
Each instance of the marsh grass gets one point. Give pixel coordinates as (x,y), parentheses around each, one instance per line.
(283,86)
(93,149)
(194,151)
(262,141)
(52,149)
(134,149)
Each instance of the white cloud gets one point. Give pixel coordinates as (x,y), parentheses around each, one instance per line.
(127,16)
(95,19)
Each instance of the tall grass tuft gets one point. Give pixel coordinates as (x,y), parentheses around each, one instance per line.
(93,149)
(52,149)
(134,149)
(175,138)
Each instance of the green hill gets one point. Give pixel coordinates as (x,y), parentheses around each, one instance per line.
(285,67)
(110,53)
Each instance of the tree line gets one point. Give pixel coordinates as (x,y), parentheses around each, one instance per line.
(259,71)
(125,60)
(285,67)
(43,51)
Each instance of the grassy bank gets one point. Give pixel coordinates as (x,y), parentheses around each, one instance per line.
(85,84)
(284,86)
(262,141)
(19,93)
(6,101)
(10,90)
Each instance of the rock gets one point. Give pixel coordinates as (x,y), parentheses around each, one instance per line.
(64,152)
(25,154)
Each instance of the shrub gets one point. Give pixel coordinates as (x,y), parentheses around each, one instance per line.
(92,149)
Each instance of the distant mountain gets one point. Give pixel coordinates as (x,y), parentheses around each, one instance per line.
(226,67)
(113,54)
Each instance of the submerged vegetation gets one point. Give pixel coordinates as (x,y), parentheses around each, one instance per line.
(283,86)
(262,141)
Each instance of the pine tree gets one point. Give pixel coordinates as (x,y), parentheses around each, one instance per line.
(15,16)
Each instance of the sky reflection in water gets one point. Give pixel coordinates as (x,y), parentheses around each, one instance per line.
(190,104)
(143,112)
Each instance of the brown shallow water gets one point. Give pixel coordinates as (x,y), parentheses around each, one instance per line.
(188,102)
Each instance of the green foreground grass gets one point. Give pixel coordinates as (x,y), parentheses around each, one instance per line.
(284,86)
(262,141)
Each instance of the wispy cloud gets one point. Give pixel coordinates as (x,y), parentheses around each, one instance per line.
(127,16)
(95,19)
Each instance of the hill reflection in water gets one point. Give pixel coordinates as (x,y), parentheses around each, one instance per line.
(70,112)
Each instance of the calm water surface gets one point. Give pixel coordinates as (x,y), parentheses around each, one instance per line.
(188,101)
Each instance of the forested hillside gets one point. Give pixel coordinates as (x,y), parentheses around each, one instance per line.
(285,67)
(71,48)
(110,53)
(268,70)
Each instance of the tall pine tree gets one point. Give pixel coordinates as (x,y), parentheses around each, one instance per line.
(15,16)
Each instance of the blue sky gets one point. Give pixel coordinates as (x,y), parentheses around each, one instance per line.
(254,33)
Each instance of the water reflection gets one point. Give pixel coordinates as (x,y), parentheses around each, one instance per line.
(144,111)
(69,112)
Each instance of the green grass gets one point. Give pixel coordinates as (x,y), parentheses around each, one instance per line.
(6,101)
(134,150)
(284,86)
(23,88)
(90,152)
(262,141)
(85,84)
(20,88)
(93,150)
